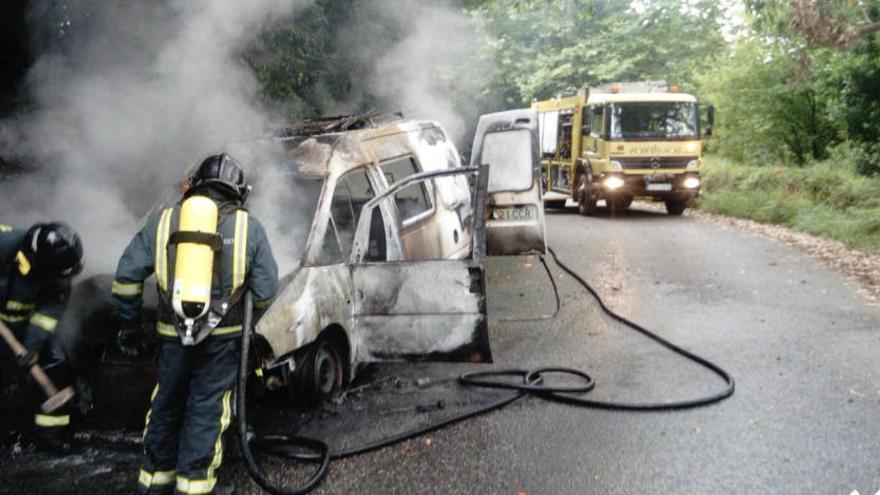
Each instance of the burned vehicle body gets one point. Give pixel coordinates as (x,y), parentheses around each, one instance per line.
(390,232)
(388,270)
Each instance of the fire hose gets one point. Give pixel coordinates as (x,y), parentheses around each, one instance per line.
(532,384)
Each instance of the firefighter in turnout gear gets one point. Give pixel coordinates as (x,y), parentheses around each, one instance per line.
(205,252)
(36,266)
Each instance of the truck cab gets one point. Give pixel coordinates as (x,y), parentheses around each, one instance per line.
(622,141)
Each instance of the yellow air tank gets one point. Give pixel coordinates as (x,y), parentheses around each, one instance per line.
(194,264)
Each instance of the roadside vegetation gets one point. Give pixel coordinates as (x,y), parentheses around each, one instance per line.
(827,198)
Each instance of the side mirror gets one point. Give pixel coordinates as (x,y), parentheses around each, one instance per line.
(710,120)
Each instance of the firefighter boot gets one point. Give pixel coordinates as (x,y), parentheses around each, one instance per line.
(51,434)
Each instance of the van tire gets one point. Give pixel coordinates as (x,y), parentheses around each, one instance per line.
(586,202)
(318,375)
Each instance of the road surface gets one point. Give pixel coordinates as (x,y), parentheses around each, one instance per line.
(800,342)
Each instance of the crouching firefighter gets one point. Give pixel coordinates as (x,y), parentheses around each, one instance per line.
(36,267)
(205,252)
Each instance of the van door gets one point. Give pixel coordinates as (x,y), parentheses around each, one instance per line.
(424,310)
(508,143)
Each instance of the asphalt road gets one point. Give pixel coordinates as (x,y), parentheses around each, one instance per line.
(799,341)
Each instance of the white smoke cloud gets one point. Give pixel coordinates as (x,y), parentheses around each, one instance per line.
(136,93)
(421,58)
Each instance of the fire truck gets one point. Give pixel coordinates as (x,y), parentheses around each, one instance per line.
(622,141)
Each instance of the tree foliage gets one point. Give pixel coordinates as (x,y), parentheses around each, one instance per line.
(541,48)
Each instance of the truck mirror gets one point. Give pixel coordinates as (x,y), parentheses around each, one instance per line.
(710,119)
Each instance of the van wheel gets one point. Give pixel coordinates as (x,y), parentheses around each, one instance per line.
(675,206)
(318,374)
(586,202)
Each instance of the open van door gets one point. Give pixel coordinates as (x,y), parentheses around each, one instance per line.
(508,143)
(418,310)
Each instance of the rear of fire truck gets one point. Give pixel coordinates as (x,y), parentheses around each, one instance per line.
(622,141)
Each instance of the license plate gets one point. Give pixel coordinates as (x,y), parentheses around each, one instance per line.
(659,186)
(513,214)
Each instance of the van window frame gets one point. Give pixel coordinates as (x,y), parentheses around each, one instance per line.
(427,187)
(331,228)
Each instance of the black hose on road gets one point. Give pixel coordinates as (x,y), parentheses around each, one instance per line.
(557,395)
(532,384)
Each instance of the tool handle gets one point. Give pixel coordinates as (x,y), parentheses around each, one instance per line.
(35,370)
(11,341)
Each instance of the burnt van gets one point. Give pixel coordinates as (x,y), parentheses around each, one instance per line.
(391,231)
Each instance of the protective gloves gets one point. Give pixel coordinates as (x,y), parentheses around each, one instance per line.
(27,360)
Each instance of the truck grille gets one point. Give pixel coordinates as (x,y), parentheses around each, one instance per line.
(649,162)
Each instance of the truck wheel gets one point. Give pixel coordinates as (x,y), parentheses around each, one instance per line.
(586,202)
(675,206)
(318,374)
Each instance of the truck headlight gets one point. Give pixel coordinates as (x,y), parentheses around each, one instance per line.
(613,182)
(692,182)
(693,164)
(616,166)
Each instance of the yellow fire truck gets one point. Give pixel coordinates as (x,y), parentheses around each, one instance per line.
(622,141)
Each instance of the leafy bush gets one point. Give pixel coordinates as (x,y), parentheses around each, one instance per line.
(827,198)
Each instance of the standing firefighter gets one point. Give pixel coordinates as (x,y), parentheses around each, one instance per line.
(35,271)
(206,252)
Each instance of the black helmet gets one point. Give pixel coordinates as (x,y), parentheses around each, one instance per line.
(223,173)
(53,249)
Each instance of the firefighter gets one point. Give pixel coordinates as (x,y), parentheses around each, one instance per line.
(36,267)
(205,252)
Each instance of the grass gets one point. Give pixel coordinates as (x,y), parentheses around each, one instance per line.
(826,199)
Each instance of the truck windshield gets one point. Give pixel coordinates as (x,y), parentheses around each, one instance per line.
(654,120)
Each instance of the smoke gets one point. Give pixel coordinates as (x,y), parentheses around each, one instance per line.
(420,58)
(127,97)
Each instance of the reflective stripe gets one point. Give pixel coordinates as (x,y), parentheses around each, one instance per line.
(47,323)
(195,486)
(263,304)
(150,410)
(259,372)
(5,228)
(158,478)
(19,306)
(48,421)
(12,318)
(166,329)
(239,253)
(226,330)
(162,233)
(127,290)
(218,444)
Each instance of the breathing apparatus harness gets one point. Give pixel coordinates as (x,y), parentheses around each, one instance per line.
(195,314)
(280,445)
